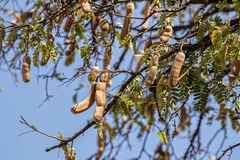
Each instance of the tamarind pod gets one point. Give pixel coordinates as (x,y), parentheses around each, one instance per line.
(126,26)
(100,96)
(146,13)
(27,59)
(98,114)
(71,48)
(103,23)
(155,8)
(68,25)
(138,66)
(148,43)
(107,56)
(151,76)
(86,8)
(167,34)
(69,153)
(232,77)
(26,77)
(235,67)
(104,77)
(222,112)
(67,42)
(130,8)
(127,20)
(87,102)
(43,63)
(154,60)
(101,144)
(175,69)
(67,53)
(69,60)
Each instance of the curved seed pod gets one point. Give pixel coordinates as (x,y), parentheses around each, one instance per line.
(103,23)
(148,43)
(157,46)
(167,34)
(68,25)
(86,103)
(151,76)
(106,66)
(100,96)
(98,114)
(175,70)
(146,14)
(183,121)
(235,67)
(101,144)
(232,77)
(127,20)
(67,53)
(86,7)
(69,153)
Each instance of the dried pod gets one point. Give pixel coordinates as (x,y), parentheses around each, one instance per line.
(69,153)
(68,25)
(157,46)
(235,67)
(151,76)
(71,48)
(26,77)
(100,96)
(27,59)
(127,20)
(175,69)
(146,14)
(86,7)
(98,114)
(86,103)
(167,34)
(222,111)
(154,61)
(67,53)
(101,144)
(17,16)
(70,59)
(103,23)
(106,66)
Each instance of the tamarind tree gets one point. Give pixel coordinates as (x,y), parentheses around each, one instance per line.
(123,51)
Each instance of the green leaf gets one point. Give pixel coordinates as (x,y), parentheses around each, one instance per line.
(162,135)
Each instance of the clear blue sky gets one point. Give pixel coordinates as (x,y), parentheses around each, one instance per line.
(21,99)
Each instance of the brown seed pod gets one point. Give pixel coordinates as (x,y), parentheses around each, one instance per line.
(86,8)
(151,76)
(154,61)
(222,111)
(235,67)
(175,69)
(98,114)
(167,34)
(86,103)
(69,153)
(93,74)
(100,96)
(68,25)
(27,59)
(103,23)
(16,15)
(146,11)
(101,144)
(106,66)
(71,48)
(157,46)
(127,20)
(26,77)
(67,53)
(148,44)
(70,59)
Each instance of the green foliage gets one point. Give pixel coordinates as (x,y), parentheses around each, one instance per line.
(162,135)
